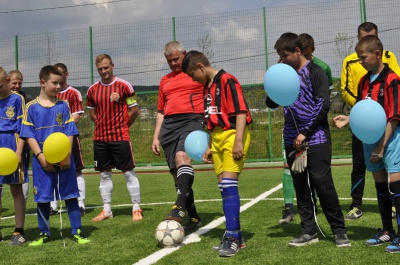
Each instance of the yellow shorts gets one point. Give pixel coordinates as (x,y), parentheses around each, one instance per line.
(221,149)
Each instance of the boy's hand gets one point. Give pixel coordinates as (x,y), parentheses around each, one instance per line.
(156,147)
(340,121)
(66,163)
(298,142)
(377,154)
(207,158)
(237,150)
(47,166)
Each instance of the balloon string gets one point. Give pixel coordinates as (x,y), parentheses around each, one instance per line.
(294,120)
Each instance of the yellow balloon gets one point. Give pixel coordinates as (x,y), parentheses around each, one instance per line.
(8,161)
(56,147)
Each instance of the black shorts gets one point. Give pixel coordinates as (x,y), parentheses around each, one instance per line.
(108,155)
(174,130)
(77,153)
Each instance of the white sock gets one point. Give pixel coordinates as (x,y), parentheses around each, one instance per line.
(107,207)
(106,189)
(54,204)
(82,191)
(25,190)
(132,183)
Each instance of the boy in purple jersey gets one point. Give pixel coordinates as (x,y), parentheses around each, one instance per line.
(306,123)
(46,115)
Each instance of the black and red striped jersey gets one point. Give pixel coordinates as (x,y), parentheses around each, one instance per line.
(384,89)
(224,100)
(110,104)
(74,99)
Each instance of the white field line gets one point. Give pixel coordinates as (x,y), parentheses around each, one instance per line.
(194,237)
(197,201)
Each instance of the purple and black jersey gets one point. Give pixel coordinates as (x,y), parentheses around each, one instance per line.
(310,110)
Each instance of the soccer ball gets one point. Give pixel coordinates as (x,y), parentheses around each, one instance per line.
(169,233)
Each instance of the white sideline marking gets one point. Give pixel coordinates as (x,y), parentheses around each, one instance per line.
(195,237)
(197,201)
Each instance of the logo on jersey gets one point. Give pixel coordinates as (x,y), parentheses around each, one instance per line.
(59,119)
(10,112)
(217,91)
(114,97)
(34,190)
(211,109)
(381,92)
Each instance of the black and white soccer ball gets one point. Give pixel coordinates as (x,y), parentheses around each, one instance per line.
(169,233)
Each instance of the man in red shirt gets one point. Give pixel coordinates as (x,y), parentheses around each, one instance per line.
(74,99)
(180,111)
(113,108)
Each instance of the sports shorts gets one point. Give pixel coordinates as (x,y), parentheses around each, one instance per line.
(391,155)
(108,155)
(173,132)
(77,153)
(20,176)
(63,182)
(221,149)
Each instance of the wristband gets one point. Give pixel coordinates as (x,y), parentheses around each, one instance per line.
(38,154)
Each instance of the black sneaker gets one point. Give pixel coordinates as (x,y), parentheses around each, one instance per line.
(177,214)
(341,241)
(304,239)
(287,217)
(53,212)
(230,246)
(17,239)
(83,211)
(193,224)
(242,244)
(380,238)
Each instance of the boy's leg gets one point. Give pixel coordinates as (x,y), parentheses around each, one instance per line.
(82,191)
(288,196)
(394,247)
(19,206)
(74,215)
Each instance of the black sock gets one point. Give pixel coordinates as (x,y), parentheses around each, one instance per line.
(184,180)
(19,230)
(385,205)
(395,188)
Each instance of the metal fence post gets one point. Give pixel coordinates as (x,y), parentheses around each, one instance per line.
(16,52)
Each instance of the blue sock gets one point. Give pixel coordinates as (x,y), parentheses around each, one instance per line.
(231,205)
(43,214)
(74,214)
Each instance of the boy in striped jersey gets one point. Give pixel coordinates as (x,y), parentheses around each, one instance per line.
(113,108)
(227,117)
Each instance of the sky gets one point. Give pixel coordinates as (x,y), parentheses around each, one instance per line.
(52,17)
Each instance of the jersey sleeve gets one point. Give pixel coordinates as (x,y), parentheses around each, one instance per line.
(347,85)
(90,104)
(27,127)
(75,103)
(235,95)
(70,126)
(161,99)
(393,63)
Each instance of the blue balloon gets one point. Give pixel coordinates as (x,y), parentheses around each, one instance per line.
(368,121)
(196,144)
(282,84)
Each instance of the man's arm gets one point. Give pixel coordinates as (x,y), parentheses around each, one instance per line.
(133,113)
(92,114)
(347,85)
(156,141)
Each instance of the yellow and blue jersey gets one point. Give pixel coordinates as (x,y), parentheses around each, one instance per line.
(41,121)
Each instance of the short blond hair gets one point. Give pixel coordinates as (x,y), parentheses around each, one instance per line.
(16,73)
(101,57)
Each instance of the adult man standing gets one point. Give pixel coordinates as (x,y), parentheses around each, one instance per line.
(180,111)
(113,108)
(352,71)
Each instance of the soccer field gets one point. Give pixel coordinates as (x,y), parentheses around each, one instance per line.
(120,241)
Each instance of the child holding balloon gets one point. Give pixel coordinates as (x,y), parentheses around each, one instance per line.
(11,113)
(227,116)
(307,139)
(44,116)
(381,158)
